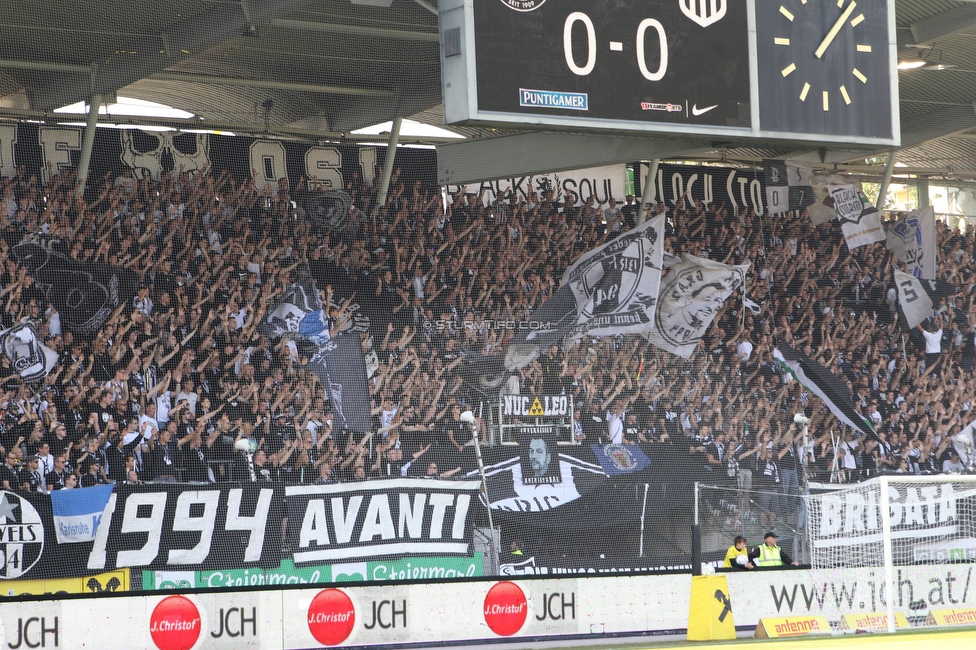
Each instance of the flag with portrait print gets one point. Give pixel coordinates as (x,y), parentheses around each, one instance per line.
(691,295)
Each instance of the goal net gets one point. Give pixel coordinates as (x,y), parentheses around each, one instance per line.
(894,551)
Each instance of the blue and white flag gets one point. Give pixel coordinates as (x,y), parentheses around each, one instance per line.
(912,241)
(620,459)
(77,513)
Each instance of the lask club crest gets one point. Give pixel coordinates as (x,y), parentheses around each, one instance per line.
(21,536)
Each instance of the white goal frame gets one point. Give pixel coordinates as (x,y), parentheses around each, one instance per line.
(883,483)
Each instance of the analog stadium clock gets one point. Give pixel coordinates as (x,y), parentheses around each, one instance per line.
(825,67)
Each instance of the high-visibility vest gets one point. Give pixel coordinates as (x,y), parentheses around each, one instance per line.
(769,556)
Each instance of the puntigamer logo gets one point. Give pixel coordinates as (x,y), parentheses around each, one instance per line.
(524,5)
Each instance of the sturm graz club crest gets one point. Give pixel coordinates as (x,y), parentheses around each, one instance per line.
(21,536)
(524,5)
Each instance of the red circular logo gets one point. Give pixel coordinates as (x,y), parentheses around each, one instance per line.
(175,624)
(505,608)
(331,617)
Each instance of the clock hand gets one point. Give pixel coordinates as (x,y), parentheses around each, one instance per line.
(828,39)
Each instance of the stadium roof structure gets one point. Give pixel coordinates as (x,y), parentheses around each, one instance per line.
(319,69)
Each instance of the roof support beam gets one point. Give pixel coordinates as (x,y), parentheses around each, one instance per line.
(214,25)
(44,66)
(356,30)
(537,153)
(242,128)
(938,26)
(186,77)
(87,144)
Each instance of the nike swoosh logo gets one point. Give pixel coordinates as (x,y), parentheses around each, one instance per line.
(701,111)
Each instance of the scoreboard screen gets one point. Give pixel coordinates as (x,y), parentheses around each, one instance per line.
(674,66)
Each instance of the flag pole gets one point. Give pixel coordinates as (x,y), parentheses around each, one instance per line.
(468,418)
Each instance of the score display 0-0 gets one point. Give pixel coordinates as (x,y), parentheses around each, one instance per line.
(675,66)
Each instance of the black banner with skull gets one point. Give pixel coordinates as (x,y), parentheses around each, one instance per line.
(43,149)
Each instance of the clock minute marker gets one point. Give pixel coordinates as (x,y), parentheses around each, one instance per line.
(803,93)
(789,69)
(826,101)
(781,41)
(786,12)
(860,76)
(857,20)
(863,48)
(847,98)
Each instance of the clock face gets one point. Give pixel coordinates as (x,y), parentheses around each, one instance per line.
(824,67)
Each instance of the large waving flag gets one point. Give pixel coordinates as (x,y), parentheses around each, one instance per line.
(920,298)
(912,241)
(339,362)
(789,186)
(830,388)
(691,294)
(84,293)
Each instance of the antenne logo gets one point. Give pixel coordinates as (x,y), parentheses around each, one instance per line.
(524,5)
(331,617)
(505,608)
(703,12)
(175,623)
(21,536)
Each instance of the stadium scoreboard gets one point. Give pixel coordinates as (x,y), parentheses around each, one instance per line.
(815,70)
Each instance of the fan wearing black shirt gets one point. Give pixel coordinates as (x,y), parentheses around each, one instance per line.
(9,476)
(93,476)
(57,479)
(159,462)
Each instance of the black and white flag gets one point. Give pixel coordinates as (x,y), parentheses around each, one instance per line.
(608,291)
(858,217)
(84,293)
(822,208)
(920,298)
(789,186)
(912,241)
(830,388)
(341,366)
(616,285)
(337,360)
(372,519)
(691,294)
(27,354)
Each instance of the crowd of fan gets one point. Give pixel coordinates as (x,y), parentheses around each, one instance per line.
(181,373)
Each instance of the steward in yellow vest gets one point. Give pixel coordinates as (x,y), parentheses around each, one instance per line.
(768,554)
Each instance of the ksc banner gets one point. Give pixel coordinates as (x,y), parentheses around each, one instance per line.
(374,519)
